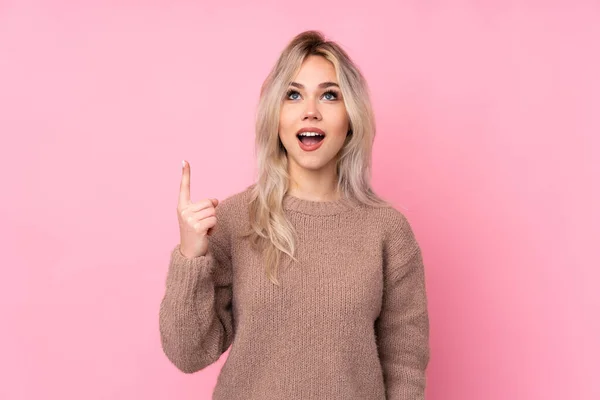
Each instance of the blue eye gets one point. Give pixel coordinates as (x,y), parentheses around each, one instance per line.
(291,92)
(332,93)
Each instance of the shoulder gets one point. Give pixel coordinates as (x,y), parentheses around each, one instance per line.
(231,210)
(388,218)
(399,239)
(234,205)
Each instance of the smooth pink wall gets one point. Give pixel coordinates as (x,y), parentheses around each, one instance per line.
(488,123)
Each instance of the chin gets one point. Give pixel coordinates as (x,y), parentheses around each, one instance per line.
(312,166)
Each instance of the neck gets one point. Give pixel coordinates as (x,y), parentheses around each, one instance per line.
(314,185)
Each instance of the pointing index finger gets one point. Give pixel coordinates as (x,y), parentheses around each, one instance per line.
(184,189)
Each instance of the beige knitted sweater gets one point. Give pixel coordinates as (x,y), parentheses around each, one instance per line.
(349,320)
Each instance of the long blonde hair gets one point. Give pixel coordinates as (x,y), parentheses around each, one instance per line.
(271,233)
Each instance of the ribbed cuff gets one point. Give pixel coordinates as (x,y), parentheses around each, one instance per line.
(185,273)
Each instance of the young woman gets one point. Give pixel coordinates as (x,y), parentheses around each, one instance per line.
(316,283)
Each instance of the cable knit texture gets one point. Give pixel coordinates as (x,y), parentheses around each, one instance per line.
(349,320)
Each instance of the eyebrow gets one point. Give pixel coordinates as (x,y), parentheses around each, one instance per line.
(321,85)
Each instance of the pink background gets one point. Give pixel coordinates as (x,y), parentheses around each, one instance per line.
(488,123)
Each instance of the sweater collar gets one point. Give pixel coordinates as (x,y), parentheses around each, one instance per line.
(311,207)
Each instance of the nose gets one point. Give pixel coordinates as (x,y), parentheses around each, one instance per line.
(311,111)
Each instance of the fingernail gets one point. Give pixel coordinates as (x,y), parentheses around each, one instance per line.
(182,163)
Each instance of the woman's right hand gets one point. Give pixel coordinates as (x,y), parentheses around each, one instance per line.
(195,219)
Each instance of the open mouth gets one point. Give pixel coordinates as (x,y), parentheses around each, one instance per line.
(310,138)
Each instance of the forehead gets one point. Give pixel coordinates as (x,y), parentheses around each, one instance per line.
(314,70)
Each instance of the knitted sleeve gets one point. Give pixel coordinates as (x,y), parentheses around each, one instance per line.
(195,317)
(402,327)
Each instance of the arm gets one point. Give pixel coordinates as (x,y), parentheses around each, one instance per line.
(402,327)
(195,318)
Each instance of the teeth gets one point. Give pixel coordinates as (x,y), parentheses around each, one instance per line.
(310,134)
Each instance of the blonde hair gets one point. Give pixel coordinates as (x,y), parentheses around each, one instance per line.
(271,233)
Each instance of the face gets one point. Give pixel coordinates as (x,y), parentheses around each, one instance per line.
(313,100)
